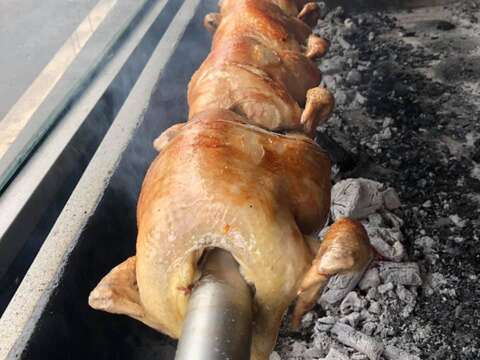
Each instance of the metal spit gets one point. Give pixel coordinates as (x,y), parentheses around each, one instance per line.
(218,324)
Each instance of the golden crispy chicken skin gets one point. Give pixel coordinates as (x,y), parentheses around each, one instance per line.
(246,90)
(260,67)
(222,183)
(269,22)
(291,69)
(264,20)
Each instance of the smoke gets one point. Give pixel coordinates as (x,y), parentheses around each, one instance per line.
(167,106)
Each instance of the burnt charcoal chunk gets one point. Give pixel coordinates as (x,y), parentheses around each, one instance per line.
(445,25)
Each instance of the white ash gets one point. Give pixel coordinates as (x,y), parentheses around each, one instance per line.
(358,341)
(354,77)
(358,356)
(457,220)
(344,43)
(308,319)
(386,241)
(393,353)
(362,311)
(352,319)
(358,198)
(374,308)
(385,288)
(351,303)
(355,198)
(341,97)
(338,287)
(298,349)
(333,65)
(369,328)
(438,284)
(400,273)
(405,295)
(334,354)
(370,279)
(325,323)
(426,244)
(322,341)
(312,353)
(274,356)
(390,196)
(350,26)
(359,100)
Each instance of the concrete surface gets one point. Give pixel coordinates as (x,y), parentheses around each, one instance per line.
(31,32)
(42,73)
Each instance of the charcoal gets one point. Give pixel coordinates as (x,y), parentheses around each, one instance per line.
(370,279)
(339,286)
(400,273)
(334,354)
(357,340)
(394,353)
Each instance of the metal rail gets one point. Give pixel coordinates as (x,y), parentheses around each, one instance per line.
(218,324)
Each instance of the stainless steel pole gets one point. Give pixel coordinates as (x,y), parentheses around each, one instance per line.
(218,324)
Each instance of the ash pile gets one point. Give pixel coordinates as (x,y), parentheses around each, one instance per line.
(408,99)
(358,309)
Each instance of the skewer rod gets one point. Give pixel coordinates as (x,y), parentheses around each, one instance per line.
(218,324)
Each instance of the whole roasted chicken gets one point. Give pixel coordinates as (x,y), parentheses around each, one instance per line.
(260,67)
(226,180)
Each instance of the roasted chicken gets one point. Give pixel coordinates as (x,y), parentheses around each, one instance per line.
(226,180)
(259,67)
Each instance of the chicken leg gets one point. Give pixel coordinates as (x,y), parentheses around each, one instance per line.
(310,14)
(344,249)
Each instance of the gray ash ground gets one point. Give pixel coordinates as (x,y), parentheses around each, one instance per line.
(408,109)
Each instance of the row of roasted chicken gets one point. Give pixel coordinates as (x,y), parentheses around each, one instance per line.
(243,174)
